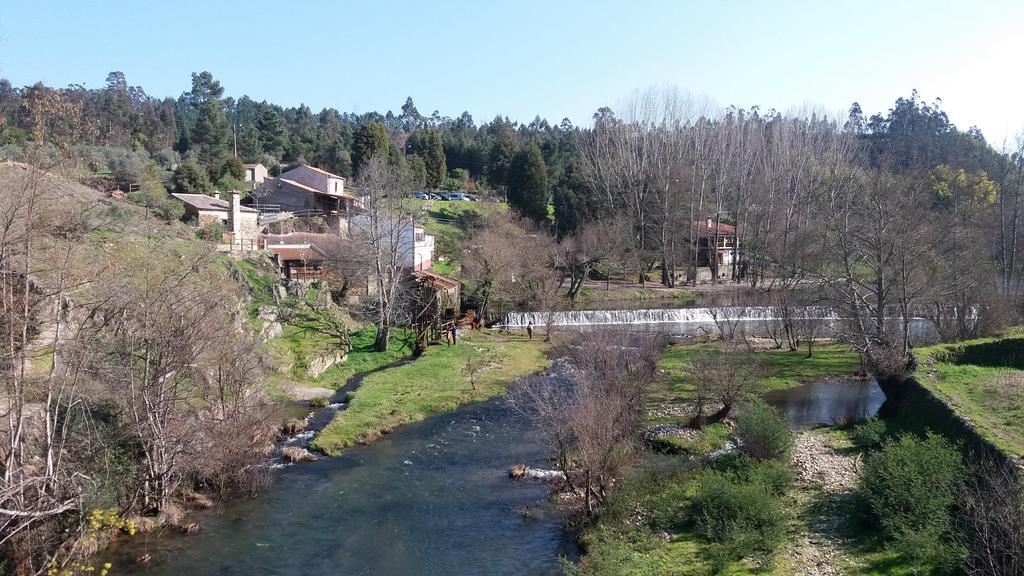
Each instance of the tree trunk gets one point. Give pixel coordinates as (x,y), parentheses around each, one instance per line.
(380,343)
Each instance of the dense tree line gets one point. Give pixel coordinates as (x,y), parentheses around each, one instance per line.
(123,129)
(795,187)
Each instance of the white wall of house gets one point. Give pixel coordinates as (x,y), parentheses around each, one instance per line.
(421,256)
(256,174)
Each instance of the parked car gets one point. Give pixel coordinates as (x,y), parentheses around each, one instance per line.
(435,196)
(420,195)
(444,196)
(457,196)
(472,197)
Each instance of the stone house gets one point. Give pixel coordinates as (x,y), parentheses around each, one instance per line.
(299,262)
(242,222)
(308,191)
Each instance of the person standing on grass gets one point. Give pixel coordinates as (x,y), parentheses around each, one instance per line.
(454,333)
(529,329)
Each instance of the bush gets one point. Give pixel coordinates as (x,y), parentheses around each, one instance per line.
(911,486)
(741,518)
(775,476)
(235,168)
(169,210)
(763,433)
(319,402)
(868,434)
(212,232)
(191,179)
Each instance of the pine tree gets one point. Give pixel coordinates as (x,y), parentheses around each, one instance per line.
(433,157)
(528,184)
(501,153)
(370,139)
(273,135)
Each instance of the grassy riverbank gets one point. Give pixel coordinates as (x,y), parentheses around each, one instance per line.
(650,527)
(982,380)
(438,381)
(783,368)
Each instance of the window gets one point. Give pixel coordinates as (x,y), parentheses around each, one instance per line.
(420,236)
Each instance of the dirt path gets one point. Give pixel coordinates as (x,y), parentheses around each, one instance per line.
(826,474)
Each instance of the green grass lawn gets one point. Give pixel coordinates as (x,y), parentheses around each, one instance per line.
(445,220)
(435,382)
(593,294)
(445,267)
(784,368)
(363,358)
(711,438)
(978,379)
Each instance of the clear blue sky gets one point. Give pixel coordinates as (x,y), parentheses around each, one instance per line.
(554,58)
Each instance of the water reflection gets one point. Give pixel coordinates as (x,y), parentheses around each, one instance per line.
(828,402)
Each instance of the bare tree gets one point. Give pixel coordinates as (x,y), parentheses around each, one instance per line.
(727,378)
(593,424)
(993,519)
(578,255)
(728,311)
(512,263)
(385,231)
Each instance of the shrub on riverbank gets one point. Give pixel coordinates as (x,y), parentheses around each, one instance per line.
(912,486)
(763,433)
(692,522)
(741,516)
(869,433)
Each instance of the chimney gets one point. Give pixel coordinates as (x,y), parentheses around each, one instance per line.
(236,217)
(216,194)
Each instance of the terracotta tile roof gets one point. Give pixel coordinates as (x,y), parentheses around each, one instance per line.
(437,280)
(704,229)
(291,252)
(322,171)
(204,202)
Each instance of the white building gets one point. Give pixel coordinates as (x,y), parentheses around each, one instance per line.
(415,246)
(255,173)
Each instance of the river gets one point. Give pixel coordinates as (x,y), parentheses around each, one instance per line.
(431,498)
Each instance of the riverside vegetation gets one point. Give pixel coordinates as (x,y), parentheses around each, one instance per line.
(907,494)
(140,367)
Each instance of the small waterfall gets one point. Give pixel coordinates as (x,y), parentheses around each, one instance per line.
(661,316)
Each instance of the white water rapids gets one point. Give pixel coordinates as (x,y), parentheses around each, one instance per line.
(662,316)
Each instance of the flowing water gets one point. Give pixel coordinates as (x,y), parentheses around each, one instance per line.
(754,321)
(430,498)
(828,402)
(435,497)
